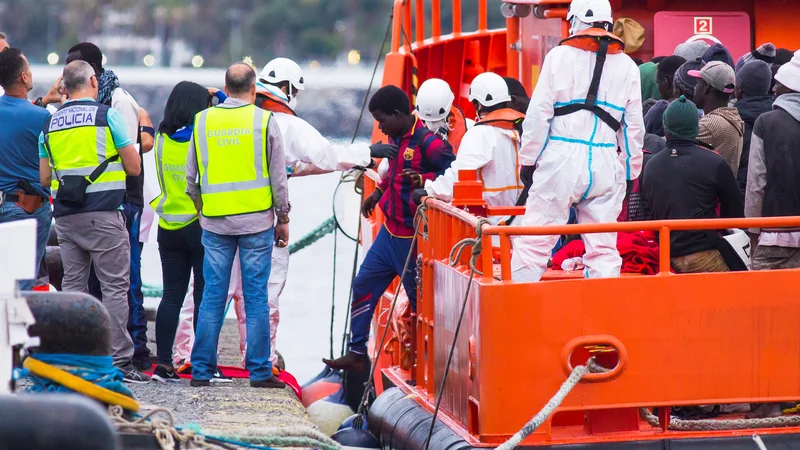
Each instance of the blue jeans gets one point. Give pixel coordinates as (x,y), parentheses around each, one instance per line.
(384,261)
(10,212)
(255,256)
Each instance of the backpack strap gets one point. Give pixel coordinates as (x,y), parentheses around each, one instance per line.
(591,97)
(101,168)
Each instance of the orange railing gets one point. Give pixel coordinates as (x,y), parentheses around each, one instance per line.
(447,225)
(403,9)
(418,54)
(664,227)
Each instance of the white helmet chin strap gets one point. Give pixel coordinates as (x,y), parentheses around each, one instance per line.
(291,99)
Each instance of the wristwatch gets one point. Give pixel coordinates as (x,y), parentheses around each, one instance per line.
(38,102)
(283,220)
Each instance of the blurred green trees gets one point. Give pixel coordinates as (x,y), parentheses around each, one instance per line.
(219,30)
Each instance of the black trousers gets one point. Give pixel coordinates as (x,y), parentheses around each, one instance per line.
(181,255)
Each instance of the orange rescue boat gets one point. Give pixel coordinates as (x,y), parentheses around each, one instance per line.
(664,340)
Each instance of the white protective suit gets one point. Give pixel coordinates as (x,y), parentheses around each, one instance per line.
(493,152)
(184,335)
(307,152)
(577,159)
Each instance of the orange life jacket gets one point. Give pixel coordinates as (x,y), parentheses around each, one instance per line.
(457,123)
(506,118)
(271,102)
(589,40)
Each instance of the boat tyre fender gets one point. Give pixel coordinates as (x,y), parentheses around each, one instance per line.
(356,439)
(69,323)
(54,421)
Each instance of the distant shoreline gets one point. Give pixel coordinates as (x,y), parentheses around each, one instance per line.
(331,102)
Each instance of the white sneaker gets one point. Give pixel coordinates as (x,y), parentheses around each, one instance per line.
(220,378)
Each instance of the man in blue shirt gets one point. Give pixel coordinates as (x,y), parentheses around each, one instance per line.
(22,195)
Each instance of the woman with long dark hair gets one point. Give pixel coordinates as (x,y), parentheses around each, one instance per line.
(179,230)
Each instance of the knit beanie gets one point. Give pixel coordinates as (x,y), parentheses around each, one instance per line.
(789,73)
(766,52)
(681,119)
(682,79)
(668,66)
(754,78)
(718,52)
(783,56)
(647,75)
(691,50)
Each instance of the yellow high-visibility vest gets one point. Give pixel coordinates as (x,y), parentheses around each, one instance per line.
(78,140)
(231,147)
(174,207)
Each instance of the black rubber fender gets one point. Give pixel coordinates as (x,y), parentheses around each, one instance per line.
(406,424)
(399,409)
(378,410)
(402,424)
(442,436)
(54,422)
(356,439)
(69,322)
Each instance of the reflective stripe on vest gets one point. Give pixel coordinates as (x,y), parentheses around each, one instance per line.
(232,160)
(79,140)
(173,206)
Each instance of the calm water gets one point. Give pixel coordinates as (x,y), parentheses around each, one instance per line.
(303,335)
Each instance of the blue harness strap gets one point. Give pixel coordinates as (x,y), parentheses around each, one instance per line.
(591,98)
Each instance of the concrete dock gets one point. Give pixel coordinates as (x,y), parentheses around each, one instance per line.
(224,409)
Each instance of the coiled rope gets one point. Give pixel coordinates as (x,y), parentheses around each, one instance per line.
(93,376)
(293,436)
(162,427)
(720,425)
(161,423)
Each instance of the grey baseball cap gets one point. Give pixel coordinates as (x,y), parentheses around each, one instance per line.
(718,75)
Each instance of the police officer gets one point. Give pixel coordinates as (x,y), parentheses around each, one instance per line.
(90,152)
(236,175)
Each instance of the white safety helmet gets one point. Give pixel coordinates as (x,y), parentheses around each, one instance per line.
(590,11)
(434,100)
(489,89)
(283,69)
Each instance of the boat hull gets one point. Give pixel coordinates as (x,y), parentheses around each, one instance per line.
(401,423)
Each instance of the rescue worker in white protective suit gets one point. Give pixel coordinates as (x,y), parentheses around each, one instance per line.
(491,147)
(307,153)
(583,134)
(436,110)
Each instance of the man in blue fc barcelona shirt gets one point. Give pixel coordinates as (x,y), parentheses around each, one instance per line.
(422,156)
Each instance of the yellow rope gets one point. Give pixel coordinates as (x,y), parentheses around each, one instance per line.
(80,385)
